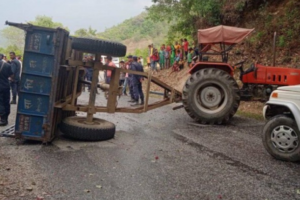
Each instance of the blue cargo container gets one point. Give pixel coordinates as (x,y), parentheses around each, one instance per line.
(43,55)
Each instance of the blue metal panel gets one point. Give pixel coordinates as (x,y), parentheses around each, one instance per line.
(31,126)
(40,41)
(35,84)
(38,64)
(33,104)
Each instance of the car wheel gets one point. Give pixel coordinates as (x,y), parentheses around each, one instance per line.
(281,138)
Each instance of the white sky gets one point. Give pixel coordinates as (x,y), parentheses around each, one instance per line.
(75,14)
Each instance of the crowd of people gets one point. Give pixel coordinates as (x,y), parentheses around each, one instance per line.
(173,55)
(10,72)
(130,82)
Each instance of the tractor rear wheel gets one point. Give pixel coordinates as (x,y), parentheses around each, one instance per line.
(211,96)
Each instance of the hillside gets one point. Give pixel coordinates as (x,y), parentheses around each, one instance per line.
(137,32)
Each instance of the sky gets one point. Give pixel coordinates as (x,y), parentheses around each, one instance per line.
(75,14)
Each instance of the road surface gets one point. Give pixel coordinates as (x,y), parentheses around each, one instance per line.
(159,155)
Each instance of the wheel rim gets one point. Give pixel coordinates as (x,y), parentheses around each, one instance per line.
(285,139)
(211,98)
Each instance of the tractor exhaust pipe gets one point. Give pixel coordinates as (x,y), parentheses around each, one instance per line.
(274,49)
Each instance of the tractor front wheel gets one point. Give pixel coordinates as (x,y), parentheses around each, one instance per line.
(211,96)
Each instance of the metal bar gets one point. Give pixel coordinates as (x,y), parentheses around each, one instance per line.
(91,110)
(75,85)
(113,90)
(147,92)
(274,49)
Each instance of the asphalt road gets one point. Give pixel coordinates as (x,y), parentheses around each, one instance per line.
(159,155)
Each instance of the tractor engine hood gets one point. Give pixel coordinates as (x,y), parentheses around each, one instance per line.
(294,88)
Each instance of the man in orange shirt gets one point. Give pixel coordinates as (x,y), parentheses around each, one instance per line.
(108,73)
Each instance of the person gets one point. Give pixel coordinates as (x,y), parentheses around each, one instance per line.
(108,72)
(182,48)
(172,60)
(154,59)
(126,80)
(167,57)
(195,58)
(150,54)
(19,58)
(130,83)
(137,83)
(122,74)
(196,50)
(15,79)
(181,64)
(177,47)
(4,58)
(5,73)
(185,48)
(189,56)
(162,58)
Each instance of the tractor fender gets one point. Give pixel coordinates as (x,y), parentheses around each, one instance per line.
(202,65)
(287,105)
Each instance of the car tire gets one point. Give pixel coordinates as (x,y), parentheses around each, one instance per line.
(76,128)
(211,96)
(99,46)
(281,138)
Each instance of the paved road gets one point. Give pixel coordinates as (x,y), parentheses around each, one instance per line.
(159,155)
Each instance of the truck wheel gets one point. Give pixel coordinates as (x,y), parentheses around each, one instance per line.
(211,96)
(76,128)
(104,47)
(281,138)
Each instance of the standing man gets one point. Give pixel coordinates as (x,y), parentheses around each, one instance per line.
(122,74)
(186,48)
(5,73)
(137,83)
(108,73)
(15,79)
(130,77)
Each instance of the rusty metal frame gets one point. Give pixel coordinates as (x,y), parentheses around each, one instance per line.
(170,95)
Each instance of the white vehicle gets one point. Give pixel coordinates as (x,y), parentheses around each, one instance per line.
(281,133)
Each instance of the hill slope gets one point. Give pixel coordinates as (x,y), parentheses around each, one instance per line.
(137,32)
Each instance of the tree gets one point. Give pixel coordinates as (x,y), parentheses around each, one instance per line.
(89,33)
(15,38)
(46,21)
(187,15)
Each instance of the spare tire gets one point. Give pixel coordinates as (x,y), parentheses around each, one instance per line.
(211,96)
(76,128)
(103,47)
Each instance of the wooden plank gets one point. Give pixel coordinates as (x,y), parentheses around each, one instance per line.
(91,110)
(75,85)
(147,92)
(158,104)
(113,90)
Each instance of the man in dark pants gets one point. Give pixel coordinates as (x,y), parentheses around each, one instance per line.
(5,73)
(137,83)
(130,76)
(15,80)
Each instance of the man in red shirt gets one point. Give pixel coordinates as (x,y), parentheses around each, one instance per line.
(108,73)
(186,47)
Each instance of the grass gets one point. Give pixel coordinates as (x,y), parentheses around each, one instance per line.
(250,115)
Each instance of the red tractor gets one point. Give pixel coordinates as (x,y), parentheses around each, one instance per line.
(211,95)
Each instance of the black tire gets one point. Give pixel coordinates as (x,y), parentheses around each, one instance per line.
(75,128)
(211,96)
(103,47)
(281,138)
